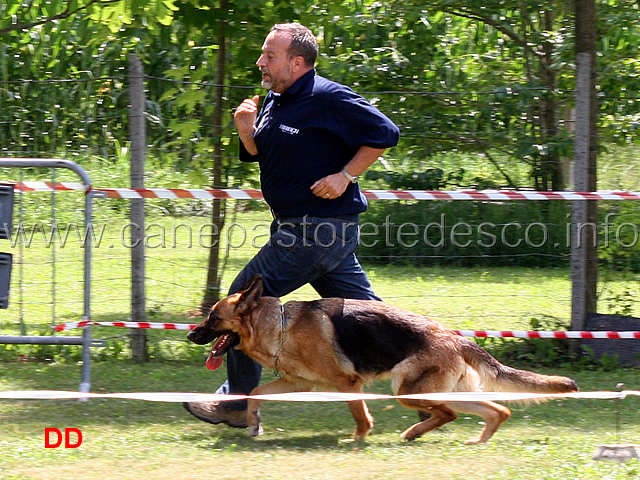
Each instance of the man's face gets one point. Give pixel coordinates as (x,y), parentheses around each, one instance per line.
(275,64)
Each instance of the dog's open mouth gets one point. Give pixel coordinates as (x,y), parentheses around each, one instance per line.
(223,343)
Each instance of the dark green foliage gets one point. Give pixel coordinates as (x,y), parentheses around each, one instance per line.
(620,235)
(467,233)
(469,78)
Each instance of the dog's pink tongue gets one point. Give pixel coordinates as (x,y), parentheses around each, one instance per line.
(213,362)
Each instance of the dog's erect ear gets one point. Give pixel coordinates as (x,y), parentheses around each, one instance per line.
(254,278)
(250,295)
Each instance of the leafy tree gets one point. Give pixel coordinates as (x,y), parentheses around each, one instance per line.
(489,78)
(469,76)
(26,16)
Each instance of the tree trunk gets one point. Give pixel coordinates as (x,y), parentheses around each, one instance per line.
(214,273)
(584,253)
(138,134)
(552,167)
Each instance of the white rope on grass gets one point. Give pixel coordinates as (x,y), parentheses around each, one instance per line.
(179,397)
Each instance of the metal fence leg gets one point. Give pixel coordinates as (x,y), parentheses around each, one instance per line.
(85,382)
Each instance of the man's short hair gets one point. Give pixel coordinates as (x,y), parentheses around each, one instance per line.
(303,41)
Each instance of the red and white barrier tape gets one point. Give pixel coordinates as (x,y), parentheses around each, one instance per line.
(34,186)
(311,396)
(252,194)
(547,334)
(155,326)
(464,333)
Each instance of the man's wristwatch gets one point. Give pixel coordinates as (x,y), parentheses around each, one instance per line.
(351,178)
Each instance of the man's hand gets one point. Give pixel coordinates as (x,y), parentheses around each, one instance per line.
(331,186)
(245,119)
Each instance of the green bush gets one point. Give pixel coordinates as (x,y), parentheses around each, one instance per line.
(466,233)
(619,241)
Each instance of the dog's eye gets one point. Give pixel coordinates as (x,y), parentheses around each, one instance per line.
(212,318)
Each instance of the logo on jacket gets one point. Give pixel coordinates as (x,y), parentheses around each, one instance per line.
(289,130)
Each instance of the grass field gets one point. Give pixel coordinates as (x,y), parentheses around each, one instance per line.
(138,440)
(476,297)
(135,440)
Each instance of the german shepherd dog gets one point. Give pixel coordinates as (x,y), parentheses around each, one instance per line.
(342,345)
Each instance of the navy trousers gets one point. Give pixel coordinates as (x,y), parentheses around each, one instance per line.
(315,250)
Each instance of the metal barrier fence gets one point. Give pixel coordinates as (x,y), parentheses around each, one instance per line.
(85,340)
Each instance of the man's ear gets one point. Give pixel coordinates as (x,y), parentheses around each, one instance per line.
(250,295)
(298,63)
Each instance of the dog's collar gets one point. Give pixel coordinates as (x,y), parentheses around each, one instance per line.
(283,321)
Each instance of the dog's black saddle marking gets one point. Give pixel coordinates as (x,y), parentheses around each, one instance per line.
(374,342)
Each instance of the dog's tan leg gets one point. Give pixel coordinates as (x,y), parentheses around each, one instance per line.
(440,415)
(358,408)
(364,420)
(432,415)
(492,413)
(253,404)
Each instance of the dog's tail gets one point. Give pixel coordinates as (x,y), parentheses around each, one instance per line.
(497,377)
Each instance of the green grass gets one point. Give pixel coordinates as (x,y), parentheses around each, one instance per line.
(131,439)
(617,168)
(480,298)
(476,297)
(134,439)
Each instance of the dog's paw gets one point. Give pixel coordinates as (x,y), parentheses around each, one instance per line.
(410,434)
(256,430)
(473,441)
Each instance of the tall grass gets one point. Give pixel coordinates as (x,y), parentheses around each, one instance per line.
(469,296)
(132,440)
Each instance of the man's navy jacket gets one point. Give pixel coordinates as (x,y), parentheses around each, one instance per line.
(310,131)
